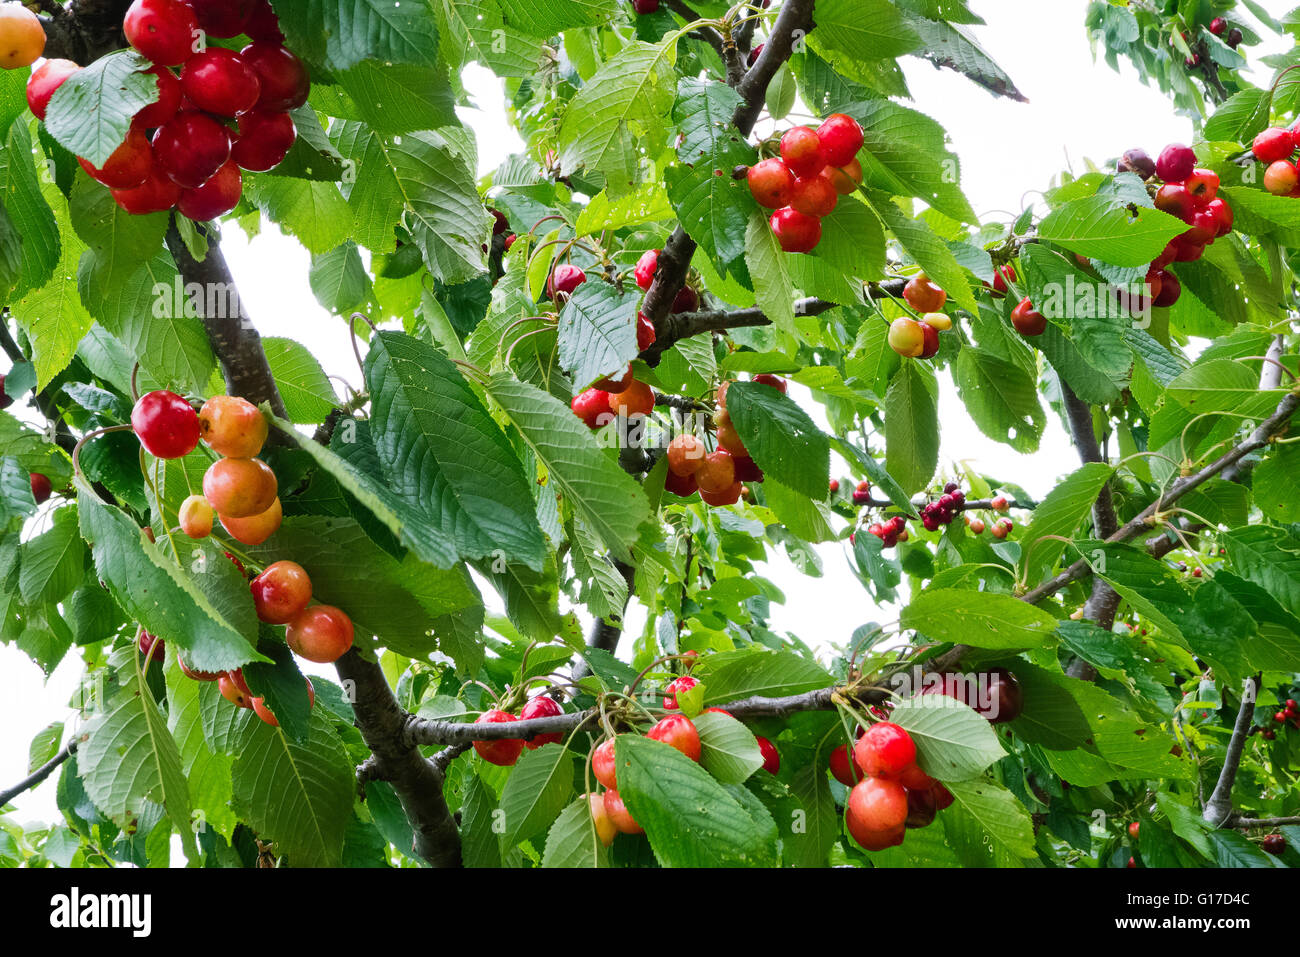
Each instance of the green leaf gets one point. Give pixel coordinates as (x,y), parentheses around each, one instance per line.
(207,770)
(852,240)
(91,110)
(689,818)
(345,34)
(781,437)
(53,316)
(728,749)
(1260,214)
(1269,557)
(298,795)
(1100,228)
(999,814)
(538,788)
(1001,398)
(338,278)
(313,212)
(29,212)
(597,332)
(542,18)
(930,252)
(770,271)
(814,831)
(307,391)
(443,455)
(572,840)
(979,619)
(953,742)
(51,563)
(733,675)
(396,98)
(1060,514)
(861,30)
(632,91)
(911,427)
(1240,118)
(906,154)
(608,500)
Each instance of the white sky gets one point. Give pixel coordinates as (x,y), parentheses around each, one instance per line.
(1077,109)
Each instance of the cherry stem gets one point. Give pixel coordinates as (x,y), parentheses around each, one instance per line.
(76,450)
(135,388)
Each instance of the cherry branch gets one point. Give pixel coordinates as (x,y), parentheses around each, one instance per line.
(84,30)
(1218,809)
(1238,821)
(40,774)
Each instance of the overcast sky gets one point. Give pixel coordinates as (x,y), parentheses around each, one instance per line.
(1077,110)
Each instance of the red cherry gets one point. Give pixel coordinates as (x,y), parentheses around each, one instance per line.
(684,683)
(157,194)
(280,592)
(1001,277)
(1133,829)
(45,79)
(796,232)
(162,30)
(645,332)
(771,756)
(590,406)
(885,751)
(284,79)
(1186,251)
(263,24)
(846,179)
(678,731)
(232,692)
(151,648)
(216,197)
(503,752)
(169,99)
(614,806)
(542,706)
(41,487)
(1281,177)
(645,6)
(1218,25)
(771,183)
(196,675)
(563,280)
(686,300)
(167,425)
(128,167)
(814,195)
(265,713)
(1273,144)
(683,486)
(603,766)
(1028,320)
(1175,163)
(1137,161)
(223,18)
(921,808)
(875,806)
(617,383)
(645,268)
(844,767)
(220,81)
(191,147)
(1274,844)
(914,779)
(840,137)
(264,140)
(1223,217)
(637,399)
(1203,184)
(321,633)
(930,339)
(775,381)
(1174,199)
(801,149)
(1204,227)
(923,295)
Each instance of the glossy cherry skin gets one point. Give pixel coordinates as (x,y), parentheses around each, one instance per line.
(281,592)
(618,813)
(1170,289)
(602,764)
(321,633)
(128,167)
(686,300)
(167,425)
(223,18)
(914,779)
(196,516)
(1137,161)
(284,80)
(503,752)
(264,24)
(1203,184)
(267,715)
(605,829)
(216,197)
(716,474)
(841,137)
(564,279)
(684,683)
(1175,163)
(637,399)
(617,383)
(232,426)
(775,381)
(162,30)
(45,79)
(542,706)
(157,194)
(770,183)
(796,232)
(771,756)
(1281,177)
(151,648)
(814,195)
(170,95)
(923,295)
(255,529)
(645,268)
(678,731)
(1174,199)
(1274,844)
(728,496)
(1273,144)
(22,37)
(196,675)
(683,486)
(592,406)
(1002,276)
(885,751)
(875,807)
(846,179)
(240,488)
(907,337)
(1223,216)
(645,332)
(685,455)
(1028,320)
(191,147)
(801,150)
(921,808)
(844,767)
(41,487)
(219,81)
(264,140)
(231,691)
(930,340)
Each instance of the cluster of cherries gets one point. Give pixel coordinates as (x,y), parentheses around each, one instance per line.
(919,339)
(719,476)
(889,793)
(815,169)
(1000,528)
(1289,715)
(1276,146)
(943,510)
(504,752)
(242,492)
(183,152)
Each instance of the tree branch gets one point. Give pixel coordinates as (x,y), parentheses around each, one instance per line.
(40,774)
(1218,809)
(85,30)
